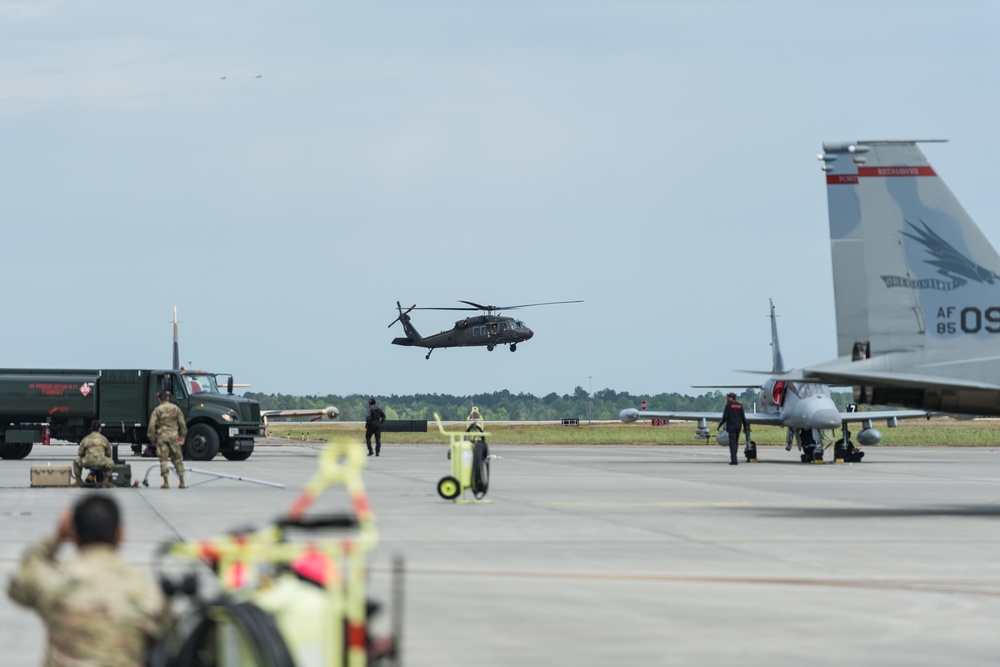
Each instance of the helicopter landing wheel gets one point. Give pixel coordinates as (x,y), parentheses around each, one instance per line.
(427,356)
(489,348)
(513,347)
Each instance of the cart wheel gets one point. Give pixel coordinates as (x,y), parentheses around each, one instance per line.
(480,469)
(449,488)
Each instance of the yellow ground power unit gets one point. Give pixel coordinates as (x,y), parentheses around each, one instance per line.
(470,462)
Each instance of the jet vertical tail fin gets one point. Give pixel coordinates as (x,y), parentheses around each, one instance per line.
(777,363)
(177,352)
(915,279)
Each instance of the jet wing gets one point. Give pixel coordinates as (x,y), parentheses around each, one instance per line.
(630,415)
(875,415)
(314,415)
(846,376)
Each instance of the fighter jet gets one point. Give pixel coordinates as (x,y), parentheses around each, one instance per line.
(804,408)
(916,285)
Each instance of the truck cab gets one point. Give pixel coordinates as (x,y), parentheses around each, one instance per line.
(217,420)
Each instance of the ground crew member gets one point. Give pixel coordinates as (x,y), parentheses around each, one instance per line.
(735,420)
(166,429)
(373,426)
(97,609)
(94,452)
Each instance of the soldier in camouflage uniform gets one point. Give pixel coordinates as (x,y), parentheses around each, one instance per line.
(94,452)
(167,429)
(97,609)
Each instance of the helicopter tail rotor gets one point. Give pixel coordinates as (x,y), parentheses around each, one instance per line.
(402,314)
(412,336)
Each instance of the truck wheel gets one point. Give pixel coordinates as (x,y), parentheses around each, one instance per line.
(202,443)
(17,450)
(449,488)
(237,456)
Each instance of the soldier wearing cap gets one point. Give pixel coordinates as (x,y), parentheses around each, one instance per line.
(166,429)
(735,420)
(97,609)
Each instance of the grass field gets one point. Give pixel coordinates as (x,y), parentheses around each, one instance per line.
(915,432)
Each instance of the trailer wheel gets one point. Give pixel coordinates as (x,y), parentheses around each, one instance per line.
(237,456)
(17,450)
(202,443)
(449,488)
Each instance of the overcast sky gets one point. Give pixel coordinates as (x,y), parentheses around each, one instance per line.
(656,159)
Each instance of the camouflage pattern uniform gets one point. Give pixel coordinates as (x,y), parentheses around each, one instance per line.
(166,428)
(98,610)
(94,452)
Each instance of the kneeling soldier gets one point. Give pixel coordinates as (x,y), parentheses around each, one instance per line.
(95,452)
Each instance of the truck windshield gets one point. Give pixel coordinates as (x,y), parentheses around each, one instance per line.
(201,383)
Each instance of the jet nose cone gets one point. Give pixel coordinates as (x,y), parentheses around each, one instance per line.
(826,418)
(628,415)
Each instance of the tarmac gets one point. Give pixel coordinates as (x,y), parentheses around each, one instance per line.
(617,555)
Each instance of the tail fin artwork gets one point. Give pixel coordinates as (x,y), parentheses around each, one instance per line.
(916,283)
(412,337)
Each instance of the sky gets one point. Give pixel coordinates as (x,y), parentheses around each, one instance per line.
(655,159)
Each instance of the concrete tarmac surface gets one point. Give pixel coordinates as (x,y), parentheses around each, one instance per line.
(618,555)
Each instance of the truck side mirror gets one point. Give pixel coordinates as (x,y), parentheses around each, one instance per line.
(229,385)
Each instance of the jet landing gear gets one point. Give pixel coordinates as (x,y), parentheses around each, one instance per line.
(812,452)
(842,446)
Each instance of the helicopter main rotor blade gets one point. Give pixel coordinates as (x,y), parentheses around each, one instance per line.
(455,308)
(490,309)
(525,305)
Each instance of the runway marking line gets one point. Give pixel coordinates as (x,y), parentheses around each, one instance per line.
(724,503)
(963,588)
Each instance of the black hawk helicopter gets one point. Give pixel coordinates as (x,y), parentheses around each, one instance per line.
(487,330)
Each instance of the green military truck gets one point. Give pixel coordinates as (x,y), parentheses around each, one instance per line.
(39,404)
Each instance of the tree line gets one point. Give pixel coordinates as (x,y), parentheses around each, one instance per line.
(506,406)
